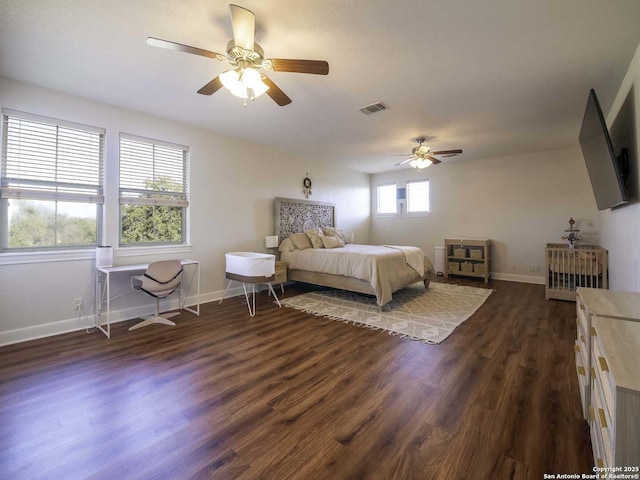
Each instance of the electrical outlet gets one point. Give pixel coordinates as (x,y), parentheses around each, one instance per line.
(78,304)
(538,269)
(514,267)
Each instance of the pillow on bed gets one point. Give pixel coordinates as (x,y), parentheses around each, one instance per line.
(316,240)
(316,231)
(336,232)
(286,246)
(300,241)
(332,242)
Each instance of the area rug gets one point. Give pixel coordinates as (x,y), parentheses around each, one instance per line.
(428,316)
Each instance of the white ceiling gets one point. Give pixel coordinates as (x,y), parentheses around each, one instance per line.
(493,77)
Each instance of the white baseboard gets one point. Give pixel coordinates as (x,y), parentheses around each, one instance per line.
(513,277)
(39,331)
(34,332)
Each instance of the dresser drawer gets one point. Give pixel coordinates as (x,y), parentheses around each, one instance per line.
(596,436)
(581,316)
(583,386)
(578,354)
(584,355)
(605,380)
(603,422)
(582,365)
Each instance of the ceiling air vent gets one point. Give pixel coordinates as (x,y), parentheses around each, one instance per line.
(373,108)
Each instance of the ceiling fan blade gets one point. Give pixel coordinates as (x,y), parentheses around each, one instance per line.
(434,160)
(275,93)
(244,26)
(404,161)
(157,42)
(212,87)
(450,153)
(317,67)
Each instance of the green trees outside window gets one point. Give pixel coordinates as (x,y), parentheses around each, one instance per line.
(36,223)
(153,223)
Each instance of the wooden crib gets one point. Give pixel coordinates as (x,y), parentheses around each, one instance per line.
(569,268)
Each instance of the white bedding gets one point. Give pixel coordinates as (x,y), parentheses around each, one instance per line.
(385,268)
(413,256)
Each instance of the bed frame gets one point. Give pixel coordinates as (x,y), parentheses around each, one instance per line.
(294,216)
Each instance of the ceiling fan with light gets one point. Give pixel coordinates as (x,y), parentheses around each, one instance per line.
(246,57)
(422,156)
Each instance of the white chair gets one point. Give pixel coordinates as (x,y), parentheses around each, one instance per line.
(160,280)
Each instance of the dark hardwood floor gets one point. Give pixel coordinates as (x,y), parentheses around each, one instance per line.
(286,395)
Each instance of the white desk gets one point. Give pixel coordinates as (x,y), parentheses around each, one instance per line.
(102,297)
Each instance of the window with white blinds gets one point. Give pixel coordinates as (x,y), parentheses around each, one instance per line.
(52,177)
(153,191)
(418,196)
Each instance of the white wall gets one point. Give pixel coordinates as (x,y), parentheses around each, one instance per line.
(620,227)
(233,184)
(521,203)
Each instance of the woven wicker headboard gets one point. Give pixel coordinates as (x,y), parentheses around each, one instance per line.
(294,216)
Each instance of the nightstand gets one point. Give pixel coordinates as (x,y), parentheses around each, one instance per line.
(281,274)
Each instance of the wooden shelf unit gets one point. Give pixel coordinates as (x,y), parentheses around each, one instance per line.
(472,256)
(607,358)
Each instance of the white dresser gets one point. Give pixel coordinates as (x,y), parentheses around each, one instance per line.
(608,367)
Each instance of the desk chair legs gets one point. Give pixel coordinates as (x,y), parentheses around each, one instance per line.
(156,318)
(251,304)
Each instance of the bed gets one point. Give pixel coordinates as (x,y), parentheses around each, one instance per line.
(367,269)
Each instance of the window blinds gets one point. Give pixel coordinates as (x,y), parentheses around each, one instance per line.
(152,172)
(50,159)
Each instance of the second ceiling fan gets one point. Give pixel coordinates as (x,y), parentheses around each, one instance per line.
(422,156)
(247,57)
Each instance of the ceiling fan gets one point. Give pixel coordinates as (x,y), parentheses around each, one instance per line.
(246,57)
(422,156)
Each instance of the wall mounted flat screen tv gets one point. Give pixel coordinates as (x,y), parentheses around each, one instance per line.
(605,170)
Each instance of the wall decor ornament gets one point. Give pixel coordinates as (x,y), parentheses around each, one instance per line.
(573,234)
(306,184)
